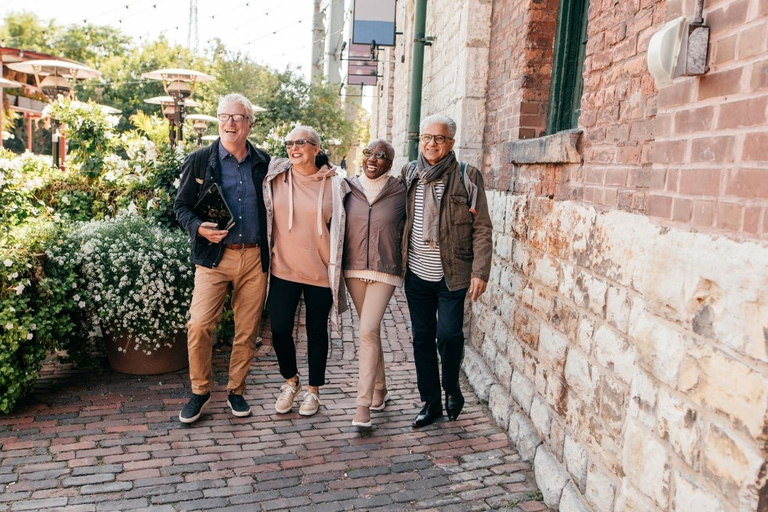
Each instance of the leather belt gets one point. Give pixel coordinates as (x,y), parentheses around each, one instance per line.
(240,247)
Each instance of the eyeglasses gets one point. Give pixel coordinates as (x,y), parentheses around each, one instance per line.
(299,143)
(379,154)
(236,118)
(439,139)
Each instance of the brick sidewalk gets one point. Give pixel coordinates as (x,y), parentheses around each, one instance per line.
(106,441)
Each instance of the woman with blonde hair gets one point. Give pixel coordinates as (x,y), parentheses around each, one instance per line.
(305,220)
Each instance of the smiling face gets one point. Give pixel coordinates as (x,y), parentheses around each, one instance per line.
(432,151)
(233,135)
(301,157)
(374,166)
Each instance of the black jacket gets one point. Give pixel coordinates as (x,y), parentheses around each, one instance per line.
(198,172)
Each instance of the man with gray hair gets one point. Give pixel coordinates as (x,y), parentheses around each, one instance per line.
(447,245)
(236,257)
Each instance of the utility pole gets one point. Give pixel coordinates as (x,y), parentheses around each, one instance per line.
(193,33)
(318,40)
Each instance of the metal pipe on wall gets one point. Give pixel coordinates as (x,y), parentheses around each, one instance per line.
(417,74)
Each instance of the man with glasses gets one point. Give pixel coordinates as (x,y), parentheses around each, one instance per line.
(447,253)
(225,258)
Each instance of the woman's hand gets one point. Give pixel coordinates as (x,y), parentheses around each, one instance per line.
(211,232)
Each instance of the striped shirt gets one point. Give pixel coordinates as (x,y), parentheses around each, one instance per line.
(423,261)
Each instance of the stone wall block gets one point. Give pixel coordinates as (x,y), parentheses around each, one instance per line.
(500,405)
(584,336)
(477,373)
(567,278)
(571,229)
(617,308)
(643,399)
(502,245)
(646,463)
(565,318)
(733,465)
(678,423)
(553,347)
(545,271)
(527,439)
(550,476)
(570,501)
(661,347)
(632,500)
(490,353)
(521,390)
(615,353)
(712,378)
(601,490)
(692,496)
(541,417)
(503,372)
(575,458)
(613,398)
(582,378)
(590,292)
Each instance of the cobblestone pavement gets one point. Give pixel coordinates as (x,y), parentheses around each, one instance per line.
(106,441)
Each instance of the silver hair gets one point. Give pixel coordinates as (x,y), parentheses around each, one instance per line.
(312,135)
(439,119)
(389,149)
(237,99)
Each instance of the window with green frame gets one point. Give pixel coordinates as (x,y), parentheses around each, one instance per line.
(567,83)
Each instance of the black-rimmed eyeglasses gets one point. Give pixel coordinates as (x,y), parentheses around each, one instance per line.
(378,154)
(236,118)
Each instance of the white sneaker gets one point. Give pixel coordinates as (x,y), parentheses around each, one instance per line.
(310,405)
(287,395)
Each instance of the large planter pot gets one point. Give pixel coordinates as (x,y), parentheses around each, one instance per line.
(135,362)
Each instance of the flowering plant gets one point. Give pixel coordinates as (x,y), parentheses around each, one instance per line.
(135,277)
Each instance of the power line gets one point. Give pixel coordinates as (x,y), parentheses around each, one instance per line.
(126,6)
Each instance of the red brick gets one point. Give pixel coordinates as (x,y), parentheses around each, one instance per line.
(720,84)
(751,41)
(749,112)
(673,180)
(759,76)
(725,50)
(659,206)
(616,177)
(610,196)
(694,120)
(669,151)
(729,216)
(751,183)
(681,209)
(712,149)
(705,182)
(703,213)
(755,147)
(730,15)
(679,93)
(752,216)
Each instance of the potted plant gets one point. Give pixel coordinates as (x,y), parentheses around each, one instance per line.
(136,281)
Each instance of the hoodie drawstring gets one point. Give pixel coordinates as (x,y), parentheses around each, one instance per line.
(320,198)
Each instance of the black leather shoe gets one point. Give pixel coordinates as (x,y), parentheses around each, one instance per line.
(453,404)
(429,413)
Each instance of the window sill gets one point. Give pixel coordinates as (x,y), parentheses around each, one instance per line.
(559,148)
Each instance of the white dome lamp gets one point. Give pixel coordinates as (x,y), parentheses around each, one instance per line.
(663,51)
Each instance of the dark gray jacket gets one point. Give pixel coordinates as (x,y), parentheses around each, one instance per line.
(374,231)
(198,173)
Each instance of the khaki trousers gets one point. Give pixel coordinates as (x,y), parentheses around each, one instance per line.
(371,300)
(242,269)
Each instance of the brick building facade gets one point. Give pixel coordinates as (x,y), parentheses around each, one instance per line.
(623,341)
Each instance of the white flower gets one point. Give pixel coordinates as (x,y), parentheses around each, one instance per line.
(65,200)
(14,275)
(30,336)
(8,326)
(33,327)
(19,288)
(81,304)
(8,263)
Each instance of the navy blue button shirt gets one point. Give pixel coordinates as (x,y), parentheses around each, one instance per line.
(240,194)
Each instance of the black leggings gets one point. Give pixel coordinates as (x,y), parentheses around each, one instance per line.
(283,300)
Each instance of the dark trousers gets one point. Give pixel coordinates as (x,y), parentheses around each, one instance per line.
(437,317)
(283,300)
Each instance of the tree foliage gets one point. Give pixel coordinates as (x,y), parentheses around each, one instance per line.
(286,95)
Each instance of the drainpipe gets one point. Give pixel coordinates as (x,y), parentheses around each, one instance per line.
(419,41)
